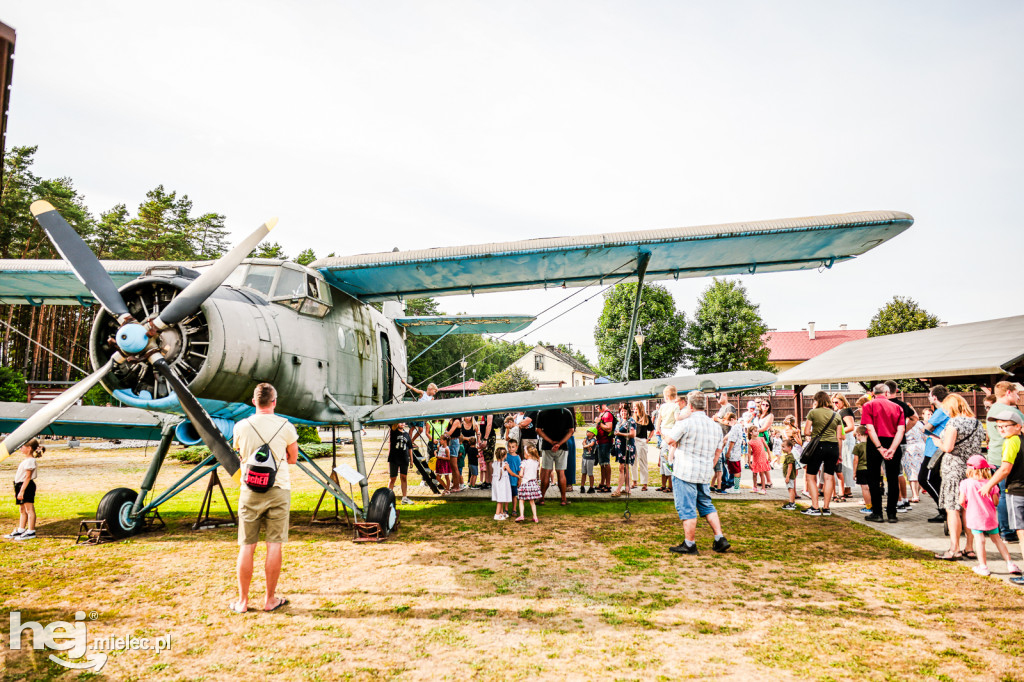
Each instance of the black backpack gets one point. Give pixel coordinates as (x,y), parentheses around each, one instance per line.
(261,465)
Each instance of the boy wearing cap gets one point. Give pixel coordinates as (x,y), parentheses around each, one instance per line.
(1012,471)
(1004,398)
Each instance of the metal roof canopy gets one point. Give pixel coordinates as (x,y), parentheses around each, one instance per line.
(979,350)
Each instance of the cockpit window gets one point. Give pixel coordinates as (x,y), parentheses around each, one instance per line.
(261,278)
(291,284)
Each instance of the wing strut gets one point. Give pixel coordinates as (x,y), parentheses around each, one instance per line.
(450,330)
(642,259)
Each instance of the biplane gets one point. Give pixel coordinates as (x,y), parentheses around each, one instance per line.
(182,345)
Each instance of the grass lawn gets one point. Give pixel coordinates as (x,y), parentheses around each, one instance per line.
(456,595)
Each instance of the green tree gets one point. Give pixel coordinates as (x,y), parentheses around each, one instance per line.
(210,238)
(109,234)
(904,314)
(727,333)
(306,257)
(901,314)
(12,386)
(269,250)
(511,380)
(662,325)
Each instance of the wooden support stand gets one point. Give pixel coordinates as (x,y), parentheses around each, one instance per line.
(203,521)
(337,519)
(93,532)
(368,532)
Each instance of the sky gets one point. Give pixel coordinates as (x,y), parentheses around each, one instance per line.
(367,125)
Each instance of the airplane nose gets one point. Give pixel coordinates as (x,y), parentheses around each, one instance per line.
(132,338)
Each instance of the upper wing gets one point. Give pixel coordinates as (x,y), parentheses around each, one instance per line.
(558,397)
(54,282)
(91,422)
(766,246)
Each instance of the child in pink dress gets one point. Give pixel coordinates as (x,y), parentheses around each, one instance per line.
(980,513)
(759,463)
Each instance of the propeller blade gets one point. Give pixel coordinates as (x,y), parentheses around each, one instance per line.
(187,302)
(210,434)
(35,424)
(76,253)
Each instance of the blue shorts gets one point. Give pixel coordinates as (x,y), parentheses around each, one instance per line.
(604,454)
(692,499)
(991,531)
(515,491)
(474,470)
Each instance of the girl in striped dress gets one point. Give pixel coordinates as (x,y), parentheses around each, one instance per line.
(529,488)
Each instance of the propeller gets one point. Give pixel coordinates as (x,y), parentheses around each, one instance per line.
(52,411)
(204,426)
(76,253)
(136,342)
(188,301)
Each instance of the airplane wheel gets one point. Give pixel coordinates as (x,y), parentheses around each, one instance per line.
(383,511)
(115,508)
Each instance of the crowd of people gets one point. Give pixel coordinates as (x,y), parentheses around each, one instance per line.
(878,446)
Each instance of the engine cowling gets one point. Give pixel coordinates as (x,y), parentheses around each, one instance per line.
(221,352)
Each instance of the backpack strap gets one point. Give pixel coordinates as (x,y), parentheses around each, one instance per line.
(266,441)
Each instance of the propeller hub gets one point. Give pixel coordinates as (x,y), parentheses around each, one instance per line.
(132,338)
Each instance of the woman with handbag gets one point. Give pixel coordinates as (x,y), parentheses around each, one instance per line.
(822,450)
(960,439)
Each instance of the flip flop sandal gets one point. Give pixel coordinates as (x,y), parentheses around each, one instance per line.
(282,601)
(970,555)
(949,557)
(566,503)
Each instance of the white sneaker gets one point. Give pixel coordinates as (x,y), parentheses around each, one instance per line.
(497,517)
(981,570)
(406,500)
(27,535)
(13,535)
(1012,568)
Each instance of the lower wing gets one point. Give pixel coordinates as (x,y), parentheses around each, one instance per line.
(559,397)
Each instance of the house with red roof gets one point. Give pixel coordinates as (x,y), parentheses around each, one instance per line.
(789,349)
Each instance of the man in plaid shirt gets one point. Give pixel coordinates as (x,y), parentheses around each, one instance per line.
(696,440)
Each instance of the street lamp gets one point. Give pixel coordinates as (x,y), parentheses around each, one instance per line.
(639,338)
(463,364)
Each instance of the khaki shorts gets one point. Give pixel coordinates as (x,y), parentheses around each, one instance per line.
(554,459)
(269,511)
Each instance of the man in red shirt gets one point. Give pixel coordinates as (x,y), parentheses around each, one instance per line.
(886,424)
(605,425)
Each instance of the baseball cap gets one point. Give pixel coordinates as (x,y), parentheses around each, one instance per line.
(1009,416)
(978,462)
(750,404)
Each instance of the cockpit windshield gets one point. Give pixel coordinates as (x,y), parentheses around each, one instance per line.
(285,283)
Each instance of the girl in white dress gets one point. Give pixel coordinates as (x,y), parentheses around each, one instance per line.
(501,483)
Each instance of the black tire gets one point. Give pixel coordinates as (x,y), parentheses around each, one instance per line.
(115,508)
(383,510)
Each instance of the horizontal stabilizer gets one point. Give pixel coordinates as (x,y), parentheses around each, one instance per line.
(545,399)
(438,325)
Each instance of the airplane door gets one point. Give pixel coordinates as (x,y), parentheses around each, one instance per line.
(387,370)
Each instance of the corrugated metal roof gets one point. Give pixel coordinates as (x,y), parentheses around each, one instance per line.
(973,349)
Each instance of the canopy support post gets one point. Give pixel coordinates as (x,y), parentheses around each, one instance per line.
(642,259)
(798,398)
